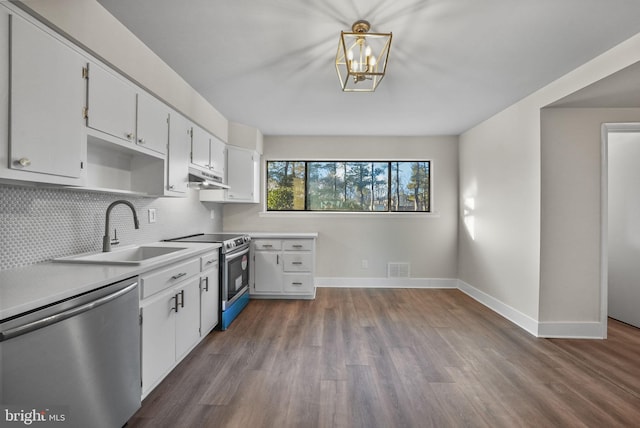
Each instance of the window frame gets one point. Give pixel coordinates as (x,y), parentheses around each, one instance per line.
(307,212)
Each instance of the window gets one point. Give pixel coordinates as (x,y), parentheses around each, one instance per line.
(349,186)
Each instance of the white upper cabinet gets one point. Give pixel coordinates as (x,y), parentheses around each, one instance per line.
(207,151)
(47,96)
(243,175)
(152,129)
(218,156)
(112,104)
(200,147)
(178,155)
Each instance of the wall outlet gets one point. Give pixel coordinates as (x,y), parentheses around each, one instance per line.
(152,215)
(365,264)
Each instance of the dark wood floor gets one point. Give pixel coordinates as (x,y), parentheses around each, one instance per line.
(396,358)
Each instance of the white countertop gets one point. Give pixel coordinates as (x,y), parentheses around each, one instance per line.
(30,287)
(292,235)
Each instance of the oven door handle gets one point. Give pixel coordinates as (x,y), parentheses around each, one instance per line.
(228,258)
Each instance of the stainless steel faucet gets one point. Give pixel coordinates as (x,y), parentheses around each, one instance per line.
(106,239)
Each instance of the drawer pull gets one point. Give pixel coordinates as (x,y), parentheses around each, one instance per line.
(178,276)
(209,262)
(297,246)
(296,263)
(296,283)
(267,246)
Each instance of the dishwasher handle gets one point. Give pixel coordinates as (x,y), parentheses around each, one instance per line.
(60,316)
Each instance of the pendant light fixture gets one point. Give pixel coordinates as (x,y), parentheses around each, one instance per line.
(361,60)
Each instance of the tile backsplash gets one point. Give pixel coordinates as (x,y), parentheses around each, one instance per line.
(38,224)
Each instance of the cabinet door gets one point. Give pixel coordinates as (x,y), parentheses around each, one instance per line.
(112,104)
(242,166)
(200,151)
(178,156)
(268,272)
(187,316)
(158,337)
(209,300)
(218,156)
(153,124)
(47,97)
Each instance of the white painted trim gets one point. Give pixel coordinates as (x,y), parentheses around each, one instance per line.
(521,320)
(571,330)
(336,282)
(604,217)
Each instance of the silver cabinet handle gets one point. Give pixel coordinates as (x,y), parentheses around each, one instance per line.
(297,246)
(209,262)
(181,294)
(206,288)
(267,246)
(180,275)
(296,283)
(296,263)
(277,259)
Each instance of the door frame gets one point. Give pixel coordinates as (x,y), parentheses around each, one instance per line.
(606,129)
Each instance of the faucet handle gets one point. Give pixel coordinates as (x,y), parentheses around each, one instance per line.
(114,240)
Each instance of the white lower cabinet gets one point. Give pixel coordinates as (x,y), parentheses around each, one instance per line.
(209,293)
(178,304)
(283,268)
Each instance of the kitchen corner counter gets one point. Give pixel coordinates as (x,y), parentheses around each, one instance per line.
(30,287)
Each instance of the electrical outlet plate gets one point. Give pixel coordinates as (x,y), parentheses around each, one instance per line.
(152,215)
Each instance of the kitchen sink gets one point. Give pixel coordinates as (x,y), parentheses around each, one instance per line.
(133,255)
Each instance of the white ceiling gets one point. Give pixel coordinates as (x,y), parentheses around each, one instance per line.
(453,63)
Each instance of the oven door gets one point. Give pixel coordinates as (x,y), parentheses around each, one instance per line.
(235,276)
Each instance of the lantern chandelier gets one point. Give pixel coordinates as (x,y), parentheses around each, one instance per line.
(361,60)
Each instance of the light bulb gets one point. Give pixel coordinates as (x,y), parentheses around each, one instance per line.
(367,50)
(350,54)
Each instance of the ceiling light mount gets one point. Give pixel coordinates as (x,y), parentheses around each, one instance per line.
(361,60)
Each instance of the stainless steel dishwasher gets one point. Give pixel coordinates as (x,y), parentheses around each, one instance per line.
(76,361)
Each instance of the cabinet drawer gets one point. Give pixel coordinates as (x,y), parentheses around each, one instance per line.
(209,261)
(297,245)
(298,283)
(161,279)
(302,262)
(267,244)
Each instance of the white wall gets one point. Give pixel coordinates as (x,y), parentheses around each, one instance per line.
(428,242)
(571,211)
(501,168)
(624,226)
(94,28)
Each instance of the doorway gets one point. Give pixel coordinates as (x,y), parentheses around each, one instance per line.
(621,222)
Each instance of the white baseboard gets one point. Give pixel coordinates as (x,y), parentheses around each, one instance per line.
(570,330)
(565,330)
(521,320)
(335,282)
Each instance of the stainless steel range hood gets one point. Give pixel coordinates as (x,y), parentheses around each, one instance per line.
(201,179)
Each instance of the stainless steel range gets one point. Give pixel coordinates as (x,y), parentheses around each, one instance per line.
(235,266)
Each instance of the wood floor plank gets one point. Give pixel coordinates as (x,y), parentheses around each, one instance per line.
(395,358)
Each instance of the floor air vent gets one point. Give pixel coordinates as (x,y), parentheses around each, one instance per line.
(398,270)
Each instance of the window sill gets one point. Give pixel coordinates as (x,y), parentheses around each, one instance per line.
(307,214)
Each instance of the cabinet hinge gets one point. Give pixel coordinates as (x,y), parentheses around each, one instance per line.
(85,72)
(85,112)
